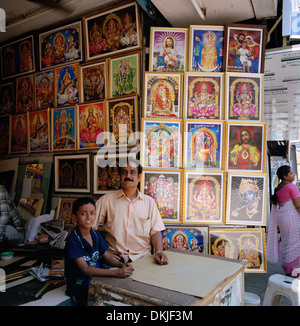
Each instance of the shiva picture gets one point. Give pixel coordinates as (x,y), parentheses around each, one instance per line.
(161,144)
(19,134)
(246,146)
(7,98)
(162,95)
(203,144)
(203,197)
(203,95)
(246,199)
(44,89)
(25,94)
(194,239)
(206,48)
(39,131)
(164,187)
(244,96)
(168,49)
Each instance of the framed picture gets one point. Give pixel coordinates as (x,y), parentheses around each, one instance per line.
(64,210)
(242,244)
(247,198)
(162,95)
(18,57)
(122,120)
(244,96)
(165,188)
(206,48)
(161,143)
(93,81)
(44,89)
(5,123)
(19,134)
(91,125)
(112,31)
(168,49)
(244,48)
(60,46)
(204,197)
(203,144)
(72,173)
(63,131)
(67,85)
(24,94)
(203,95)
(246,146)
(124,75)
(39,131)
(7,96)
(189,238)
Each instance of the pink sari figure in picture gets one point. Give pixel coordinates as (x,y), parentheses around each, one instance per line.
(285,214)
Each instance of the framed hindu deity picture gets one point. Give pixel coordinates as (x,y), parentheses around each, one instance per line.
(67,85)
(18,57)
(165,188)
(7,98)
(72,173)
(161,144)
(5,122)
(24,94)
(203,95)
(168,49)
(19,134)
(91,124)
(203,144)
(247,198)
(124,75)
(190,238)
(60,46)
(39,131)
(162,95)
(244,48)
(204,197)
(112,31)
(94,82)
(122,120)
(44,89)
(63,130)
(246,146)
(64,210)
(242,244)
(206,48)
(244,96)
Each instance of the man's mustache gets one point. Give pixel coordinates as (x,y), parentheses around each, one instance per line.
(127,179)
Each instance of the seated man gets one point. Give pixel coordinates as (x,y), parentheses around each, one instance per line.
(11,223)
(131,219)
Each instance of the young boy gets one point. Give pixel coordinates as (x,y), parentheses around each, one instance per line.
(83,250)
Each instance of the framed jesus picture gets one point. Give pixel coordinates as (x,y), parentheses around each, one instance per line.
(206,48)
(244,48)
(203,144)
(243,244)
(203,95)
(244,96)
(39,131)
(246,146)
(162,95)
(161,143)
(168,49)
(247,198)
(165,188)
(19,134)
(44,89)
(204,197)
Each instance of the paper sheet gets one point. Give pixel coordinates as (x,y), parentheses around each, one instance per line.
(189,274)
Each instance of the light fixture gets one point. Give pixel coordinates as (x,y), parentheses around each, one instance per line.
(199,6)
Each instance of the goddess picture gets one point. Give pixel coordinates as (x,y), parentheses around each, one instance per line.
(39,132)
(25,94)
(5,122)
(19,134)
(7,98)
(44,89)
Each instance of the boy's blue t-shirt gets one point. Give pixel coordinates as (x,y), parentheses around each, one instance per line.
(76,247)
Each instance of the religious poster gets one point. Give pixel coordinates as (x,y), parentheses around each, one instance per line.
(162,95)
(7,98)
(204,197)
(165,188)
(44,89)
(39,131)
(203,95)
(5,122)
(24,94)
(203,143)
(168,49)
(206,48)
(19,134)
(161,143)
